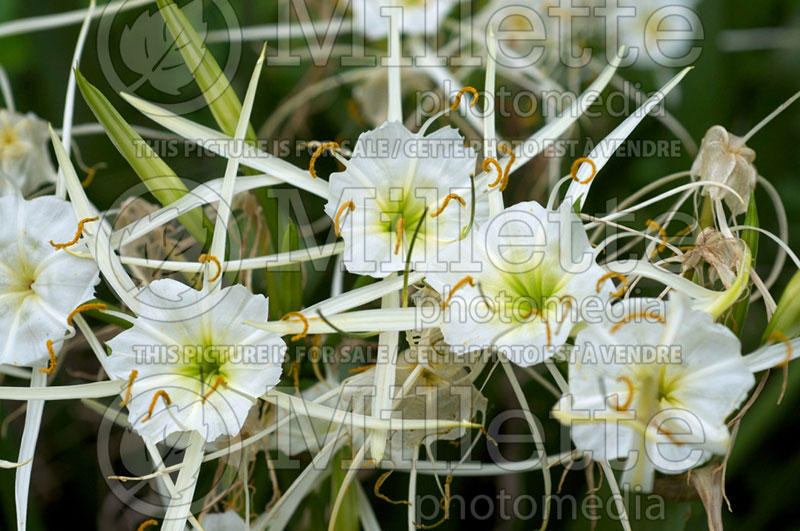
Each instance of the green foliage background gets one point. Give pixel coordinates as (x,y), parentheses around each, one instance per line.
(732,89)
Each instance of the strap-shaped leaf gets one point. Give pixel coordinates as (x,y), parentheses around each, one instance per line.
(159,178)
(217,90)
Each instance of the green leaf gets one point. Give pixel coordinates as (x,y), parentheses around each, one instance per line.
(291,276)
(159,178)
(750,237)
(787,316)
(217,90)
(348,512)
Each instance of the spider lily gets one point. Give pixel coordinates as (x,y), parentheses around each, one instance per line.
(190,371)
(395,181)
(666,412)
(522,280)
(24,159)
(41,283)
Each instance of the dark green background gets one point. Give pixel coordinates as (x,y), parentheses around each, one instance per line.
(732,89)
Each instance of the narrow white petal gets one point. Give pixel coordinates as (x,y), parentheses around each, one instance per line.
(215,142)
(601,154)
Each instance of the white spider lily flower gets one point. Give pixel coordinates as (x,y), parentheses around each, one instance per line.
(520,283)
(189,370)
(646,24)
(725,158)
(419,16)
(653,383)
(24,155)
(382,195)
(40,285)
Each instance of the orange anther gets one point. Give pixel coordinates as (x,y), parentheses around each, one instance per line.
(489,161)
(466,280)
(78,234)
(634,316)
(622,288)
(159,393)
(317,154)
(129,387)
(85,307)
(576,166)
(52,364)
(628,401)
(400,228)
(461,92)
(337,229)
(507,171)
(211,258)
(146,524)
(446,202)
(301,317)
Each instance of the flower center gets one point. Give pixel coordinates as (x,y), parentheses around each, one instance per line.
(7,137)
(204,362)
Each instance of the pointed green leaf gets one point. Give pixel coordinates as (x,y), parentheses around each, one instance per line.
(217,91)
(787,316)
(159,178)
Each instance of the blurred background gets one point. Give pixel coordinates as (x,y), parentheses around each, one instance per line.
(735,89)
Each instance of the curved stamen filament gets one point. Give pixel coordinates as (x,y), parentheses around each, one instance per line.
(129,387)
(400,228)
(780,336)
(378,494)
(576,166)
(489,161)
(147,523)
(77,237)
(317,154)
(460,284)
(541,316)
(653,225)
(211,258)
(301,317)
(507,171)
(52,363)
(219,380)
(84,308)
(623,286)
(461,92)
(159,393)
(628,401)
(640,315)
(349,207)
(446,202)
